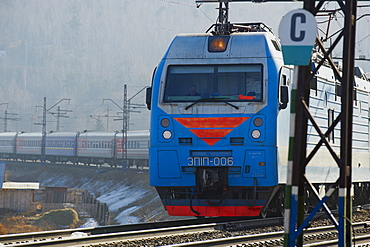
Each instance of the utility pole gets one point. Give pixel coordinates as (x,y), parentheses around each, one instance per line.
(6,118)
(132,106)
(107,118)
(60,114)
(345,164)
(125,124)
(295,222)
(126,110)
(43,139)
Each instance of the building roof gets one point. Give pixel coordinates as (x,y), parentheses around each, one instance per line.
(21,185)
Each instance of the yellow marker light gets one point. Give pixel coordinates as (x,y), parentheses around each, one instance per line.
(218,43)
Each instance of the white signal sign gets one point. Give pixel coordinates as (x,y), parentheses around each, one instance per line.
(297,32)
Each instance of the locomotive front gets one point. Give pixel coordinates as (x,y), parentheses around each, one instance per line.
(214,107)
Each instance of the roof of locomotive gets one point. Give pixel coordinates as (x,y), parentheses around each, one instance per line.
(259,43)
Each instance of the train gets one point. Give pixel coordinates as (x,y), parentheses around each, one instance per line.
(220,110)
(77,147)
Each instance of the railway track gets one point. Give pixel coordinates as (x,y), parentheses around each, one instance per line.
(97,235)
(207,231)
(314,237)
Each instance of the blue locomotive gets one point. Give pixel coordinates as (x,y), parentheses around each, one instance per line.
(220,125)
(214,152)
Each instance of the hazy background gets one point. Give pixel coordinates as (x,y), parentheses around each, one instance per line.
(86,50)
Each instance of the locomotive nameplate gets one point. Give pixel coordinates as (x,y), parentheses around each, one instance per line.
(210,161)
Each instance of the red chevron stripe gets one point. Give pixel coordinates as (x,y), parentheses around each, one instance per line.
(211,133)
(209,129)
(212,122)
(211,136)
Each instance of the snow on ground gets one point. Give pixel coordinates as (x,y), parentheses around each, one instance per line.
(125,218)
(91,222)
(121,197)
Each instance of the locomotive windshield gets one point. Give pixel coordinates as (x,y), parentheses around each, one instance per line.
(187,83)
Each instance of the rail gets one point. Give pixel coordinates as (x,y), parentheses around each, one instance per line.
(165,231)
(128,232)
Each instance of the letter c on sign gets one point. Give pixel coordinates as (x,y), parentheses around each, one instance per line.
(293,27)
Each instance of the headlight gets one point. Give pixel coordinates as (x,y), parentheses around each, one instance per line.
(217,43)
(167,134)
(256,134)
(165,122)
(258,122)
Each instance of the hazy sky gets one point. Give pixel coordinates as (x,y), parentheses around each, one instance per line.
(87,50)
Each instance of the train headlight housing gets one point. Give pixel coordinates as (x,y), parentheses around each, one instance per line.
(258,122)
(167,134)
(217,43)
(165,122)
(256,134)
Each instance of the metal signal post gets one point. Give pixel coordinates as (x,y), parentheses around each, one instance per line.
(294,204)
(295,221)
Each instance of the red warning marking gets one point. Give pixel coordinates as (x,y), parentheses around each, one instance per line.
(212,122)
(209,129)
(211,136)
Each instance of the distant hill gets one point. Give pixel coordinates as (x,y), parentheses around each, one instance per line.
(86,51)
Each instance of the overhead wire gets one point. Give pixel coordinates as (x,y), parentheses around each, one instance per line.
(189,5)
(170,1)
